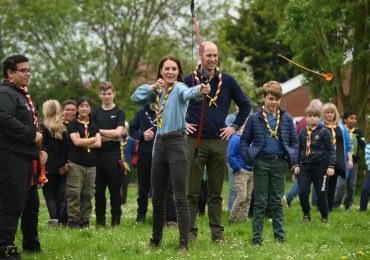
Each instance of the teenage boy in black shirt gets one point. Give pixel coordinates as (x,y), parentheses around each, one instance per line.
(110,120)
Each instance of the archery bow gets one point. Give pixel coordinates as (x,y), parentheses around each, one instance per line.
(204,78)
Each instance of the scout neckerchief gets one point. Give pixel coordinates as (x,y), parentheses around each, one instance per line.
(152,122)
(273,133)
(308,140)
(42,173)
(30,103)
(212,101)
(86,126)
(160,112)
(353,140)
(124,165)
(332,129)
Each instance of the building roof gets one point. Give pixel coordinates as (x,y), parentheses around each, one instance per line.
(292,84)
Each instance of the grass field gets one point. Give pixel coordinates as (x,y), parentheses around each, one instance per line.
(347,236)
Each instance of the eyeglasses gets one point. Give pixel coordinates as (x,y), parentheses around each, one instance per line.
(25,70)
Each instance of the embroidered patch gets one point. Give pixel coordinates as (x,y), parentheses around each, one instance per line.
(317,137)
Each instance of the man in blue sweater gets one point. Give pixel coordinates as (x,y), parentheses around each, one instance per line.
(214,136)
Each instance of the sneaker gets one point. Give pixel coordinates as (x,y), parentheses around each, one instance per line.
(154,243)
(285,202)
(53,223)
(306,218)
(324,220)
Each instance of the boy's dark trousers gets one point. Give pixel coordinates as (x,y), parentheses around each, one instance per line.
(108,173)
(314,172)
(144,167)
(269,182)
(55,196)
(365,193)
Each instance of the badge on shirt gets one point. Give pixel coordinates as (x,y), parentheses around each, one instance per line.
(317,137)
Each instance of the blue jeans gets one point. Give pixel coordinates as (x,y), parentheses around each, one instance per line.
(232,189)
(348,185)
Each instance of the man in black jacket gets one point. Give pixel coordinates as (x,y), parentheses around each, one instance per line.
(18,148)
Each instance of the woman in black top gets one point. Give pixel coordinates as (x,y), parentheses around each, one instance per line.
(55,143)
(82,164)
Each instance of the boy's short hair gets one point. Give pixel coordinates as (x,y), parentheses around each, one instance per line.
(312,111)
(349,113)
(106,85)
(69,102)
(273,88)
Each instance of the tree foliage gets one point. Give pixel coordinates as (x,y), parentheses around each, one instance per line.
(253,35)
(332,36)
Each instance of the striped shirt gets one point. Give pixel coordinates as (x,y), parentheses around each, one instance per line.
(367,156)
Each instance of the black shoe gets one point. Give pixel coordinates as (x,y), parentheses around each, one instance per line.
(32,250)
(85,223)
(74,224)
(306,218)
(140,219)
(116,220)
(32,247)
(9,253)
(154,243)
(101,221)
(183,247)
(256,242)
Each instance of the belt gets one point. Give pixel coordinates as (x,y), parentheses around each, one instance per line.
(171,135)
(271,156)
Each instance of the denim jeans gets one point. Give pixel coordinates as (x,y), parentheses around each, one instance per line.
(232,189)
(347,185)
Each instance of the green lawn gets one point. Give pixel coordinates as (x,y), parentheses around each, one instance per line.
(346,237)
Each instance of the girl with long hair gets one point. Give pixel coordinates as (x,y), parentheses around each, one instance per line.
(55,143)
(342,145)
